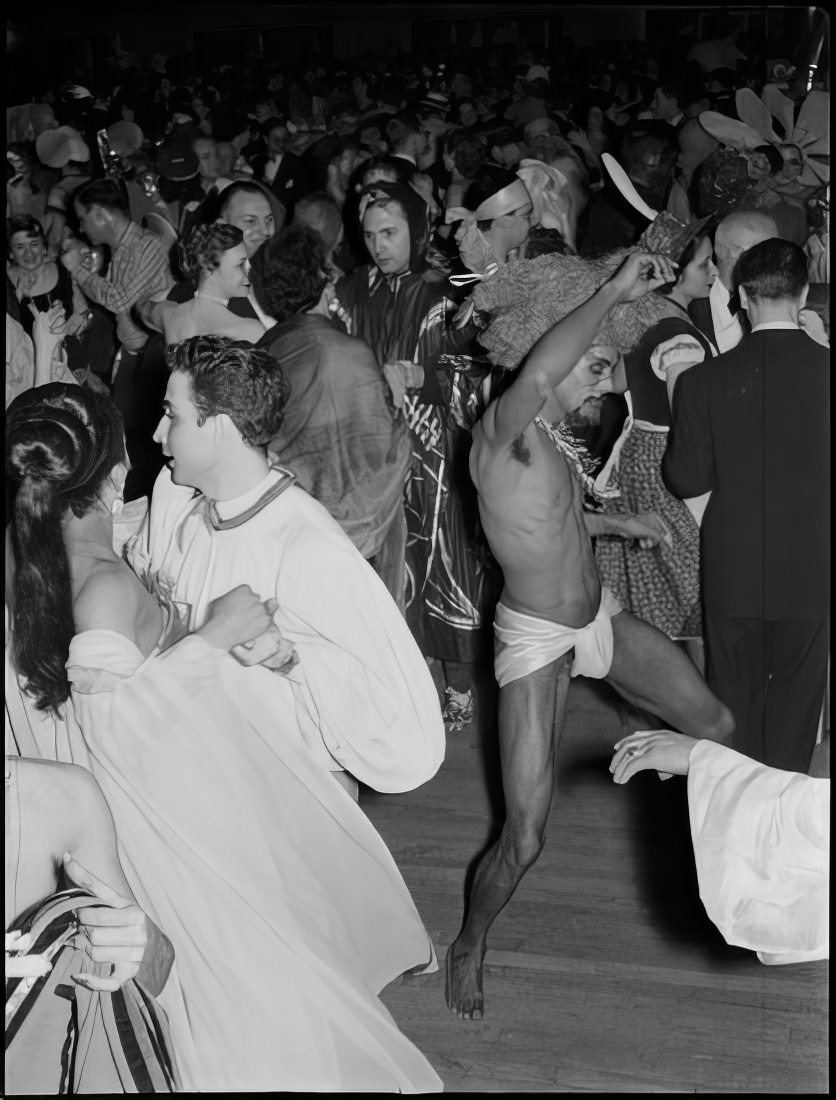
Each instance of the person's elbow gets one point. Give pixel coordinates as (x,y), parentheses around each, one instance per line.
(683,479)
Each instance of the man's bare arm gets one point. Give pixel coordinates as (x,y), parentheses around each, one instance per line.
(557,352)
(648,528)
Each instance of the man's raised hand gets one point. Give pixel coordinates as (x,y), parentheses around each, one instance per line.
(640,273)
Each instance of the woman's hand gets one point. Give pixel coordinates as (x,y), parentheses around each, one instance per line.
(49,330)
(812,324)
(237,617)
(663,751)
(114,934)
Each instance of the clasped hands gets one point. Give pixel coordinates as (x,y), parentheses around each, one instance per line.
(242,624)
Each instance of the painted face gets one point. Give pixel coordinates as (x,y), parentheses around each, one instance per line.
(699,273)
(252,214)
(231,278)
(27,250)
(207,157)
(386,235)
(190,446)
(590,379)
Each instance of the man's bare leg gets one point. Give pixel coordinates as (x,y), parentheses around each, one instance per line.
(653,673)
(530,724)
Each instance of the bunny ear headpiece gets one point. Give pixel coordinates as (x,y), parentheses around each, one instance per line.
(665,234)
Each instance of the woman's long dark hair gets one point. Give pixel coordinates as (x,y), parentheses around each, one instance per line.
(62,442)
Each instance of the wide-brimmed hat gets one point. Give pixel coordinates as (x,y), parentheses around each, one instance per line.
(177,163)
(125,138)
(58,147)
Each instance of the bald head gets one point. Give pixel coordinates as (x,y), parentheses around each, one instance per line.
(735,234)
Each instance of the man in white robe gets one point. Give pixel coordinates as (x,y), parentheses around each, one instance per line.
(221,516)
(761,842)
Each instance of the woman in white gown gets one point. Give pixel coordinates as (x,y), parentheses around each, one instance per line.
(284,906)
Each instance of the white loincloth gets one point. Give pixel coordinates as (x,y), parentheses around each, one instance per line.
(523,643)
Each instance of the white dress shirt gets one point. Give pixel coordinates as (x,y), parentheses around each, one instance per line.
(727,329)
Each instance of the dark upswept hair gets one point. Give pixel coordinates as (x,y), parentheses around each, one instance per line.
(775,270)
(287,272)
(682,257)
(201,252)
(62,443)
(233,377)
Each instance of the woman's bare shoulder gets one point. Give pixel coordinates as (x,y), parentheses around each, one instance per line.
(109,599)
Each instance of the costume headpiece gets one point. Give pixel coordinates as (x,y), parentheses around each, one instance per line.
(810,132)
(666,234)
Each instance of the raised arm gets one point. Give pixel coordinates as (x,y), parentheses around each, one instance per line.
(557,352)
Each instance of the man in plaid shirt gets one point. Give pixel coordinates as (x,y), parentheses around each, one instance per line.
(139,269)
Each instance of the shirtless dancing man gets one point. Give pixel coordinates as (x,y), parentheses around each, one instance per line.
(531,509)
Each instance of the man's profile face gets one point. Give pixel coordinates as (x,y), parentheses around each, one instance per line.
(91,223)
(190,446)
(252,214)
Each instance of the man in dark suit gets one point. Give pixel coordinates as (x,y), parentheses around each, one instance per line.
(719,317)
(282,171)
(752,426)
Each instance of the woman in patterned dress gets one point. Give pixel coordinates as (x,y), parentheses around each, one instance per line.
(660,586)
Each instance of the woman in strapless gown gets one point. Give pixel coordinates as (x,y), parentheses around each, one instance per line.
(285,908)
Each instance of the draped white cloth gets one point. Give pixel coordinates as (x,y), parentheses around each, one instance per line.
(364,698)
(762,846)
(284,906)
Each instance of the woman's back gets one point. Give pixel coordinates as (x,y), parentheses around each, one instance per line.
(201,317)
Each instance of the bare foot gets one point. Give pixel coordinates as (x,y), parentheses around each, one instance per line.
(463,990)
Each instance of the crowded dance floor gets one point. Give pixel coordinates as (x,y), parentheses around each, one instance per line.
(417,507)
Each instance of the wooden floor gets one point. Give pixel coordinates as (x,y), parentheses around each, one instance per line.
(603,974)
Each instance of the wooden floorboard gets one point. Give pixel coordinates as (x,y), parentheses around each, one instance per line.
(603,974)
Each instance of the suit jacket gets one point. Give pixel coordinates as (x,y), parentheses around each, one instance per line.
(753,426)
(290,182)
